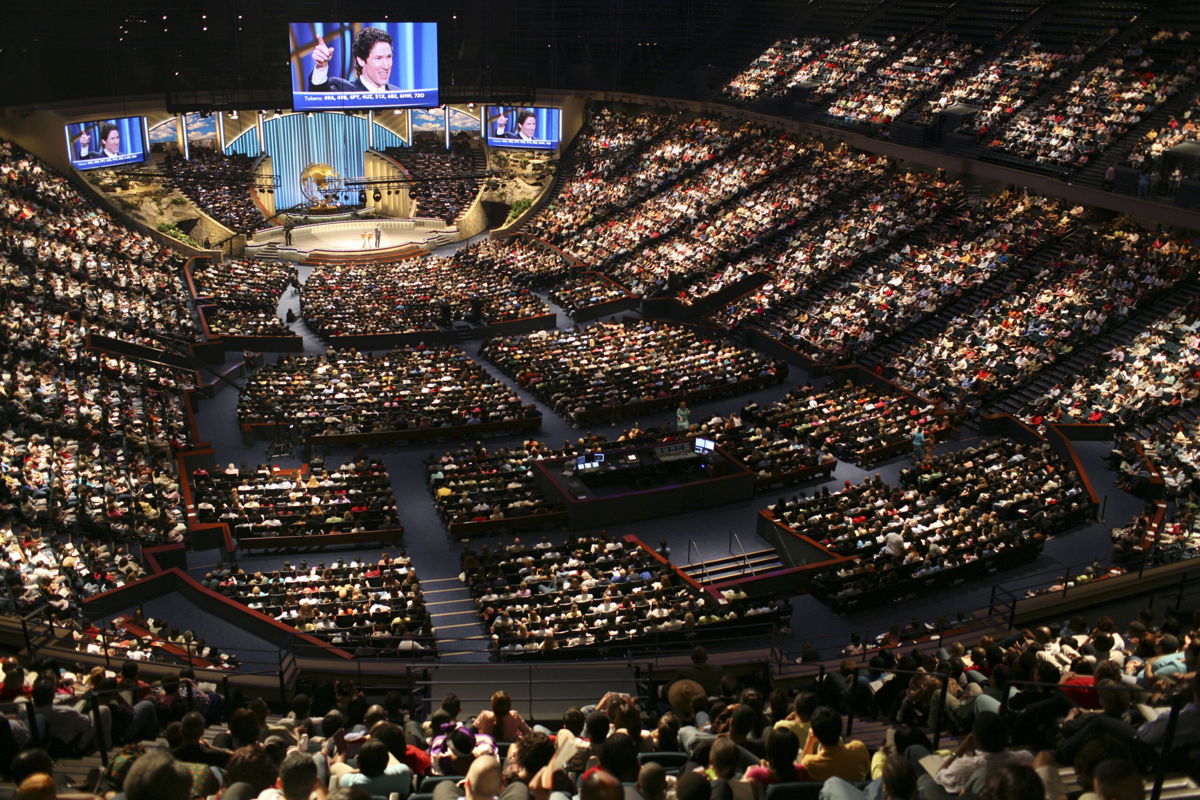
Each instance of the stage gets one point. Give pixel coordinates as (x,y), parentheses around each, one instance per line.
(351,236)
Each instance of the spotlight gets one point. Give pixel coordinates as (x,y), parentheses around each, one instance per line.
(378,195)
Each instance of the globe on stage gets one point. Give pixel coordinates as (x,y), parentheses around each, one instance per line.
(321,185)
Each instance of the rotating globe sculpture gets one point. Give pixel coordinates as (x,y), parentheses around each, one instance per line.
(320,184)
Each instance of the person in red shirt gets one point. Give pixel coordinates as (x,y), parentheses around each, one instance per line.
(1079,684)
(14,682)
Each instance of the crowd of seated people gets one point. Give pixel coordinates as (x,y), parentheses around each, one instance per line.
(1082,708)
(585,290)
(691,260)
(56,573)
(524,261)
(1081,696)
(413,295)
(244,283)
(972,509)
(621,177)
(610,134)
(1147,154)
(769,75)
(219,184)
(859,423)
(233,322)
(474,484)
(725,175)
(1178,540)
(922,276)
(368,607)
(886,92)
(347,392)
(997,346)
(88,436)
(591,592)
(888,204)
(1004,84)
(1156,372)
(136,639)
(353,498)
(81,709)
(1175,452)
(607,366)
(773,454)
(1099,106)
(840,66)
(444,184)
(74,256)
(97,485)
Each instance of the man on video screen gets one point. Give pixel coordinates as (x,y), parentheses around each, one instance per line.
(372,51)
(110,141)
(526,125)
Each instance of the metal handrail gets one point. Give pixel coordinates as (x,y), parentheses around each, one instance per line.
(733,537)
(699,559)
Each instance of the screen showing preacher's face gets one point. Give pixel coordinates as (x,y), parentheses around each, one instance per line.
(529,127)
(377,68)
(112,142)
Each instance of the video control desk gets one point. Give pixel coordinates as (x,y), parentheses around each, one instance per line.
(644,482)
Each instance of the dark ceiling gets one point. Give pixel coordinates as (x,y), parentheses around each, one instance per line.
(234,53)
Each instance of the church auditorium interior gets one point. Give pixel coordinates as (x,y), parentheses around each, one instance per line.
(670,400)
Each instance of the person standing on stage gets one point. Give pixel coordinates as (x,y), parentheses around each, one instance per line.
(378,236)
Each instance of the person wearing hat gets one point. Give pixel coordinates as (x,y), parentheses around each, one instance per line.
(683,696)
(703,673)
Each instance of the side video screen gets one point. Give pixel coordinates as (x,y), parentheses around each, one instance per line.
(106,142)
(519,126)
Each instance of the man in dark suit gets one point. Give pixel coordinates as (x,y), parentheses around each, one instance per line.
(372,51)
(110,141)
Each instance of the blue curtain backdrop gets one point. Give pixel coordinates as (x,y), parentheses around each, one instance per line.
(296,140)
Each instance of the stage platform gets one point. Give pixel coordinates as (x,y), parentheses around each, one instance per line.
(398,237)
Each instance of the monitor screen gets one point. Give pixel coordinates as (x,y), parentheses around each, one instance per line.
(518,126)
(581,462)
(598,458)
(106,142)
(705,445)
(344,65)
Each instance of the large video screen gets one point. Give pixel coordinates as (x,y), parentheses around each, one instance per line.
(343,65)
(518,126)
(106,142)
